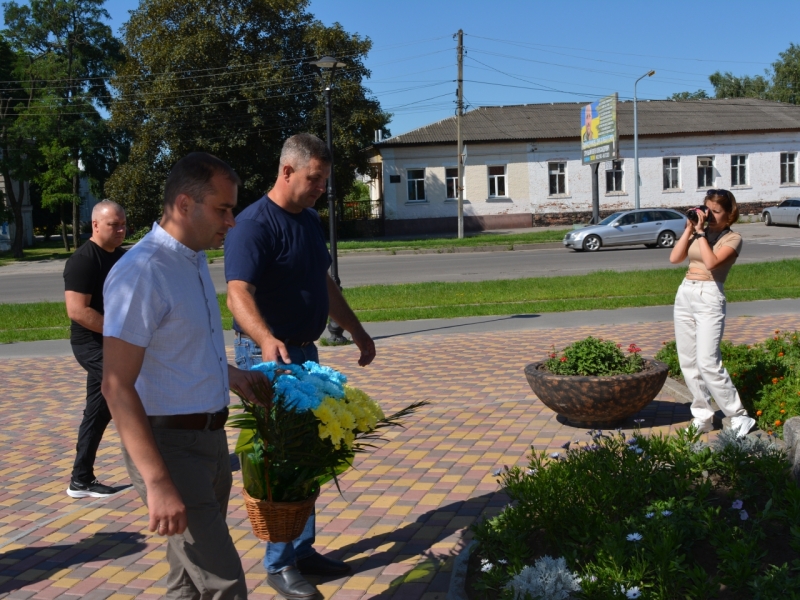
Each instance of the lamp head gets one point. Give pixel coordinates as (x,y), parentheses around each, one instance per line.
(651,73)
(328,62)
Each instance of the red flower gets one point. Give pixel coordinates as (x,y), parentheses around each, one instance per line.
(563,359)
(619,345)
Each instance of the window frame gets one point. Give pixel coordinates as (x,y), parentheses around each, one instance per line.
(417,182)
(738,168)
(561,178)
(709,171)
(669,168)
(497,178)
(785,164)
(447,179)
(617,176)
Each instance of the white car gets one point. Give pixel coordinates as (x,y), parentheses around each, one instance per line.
(786,213)
(651,227)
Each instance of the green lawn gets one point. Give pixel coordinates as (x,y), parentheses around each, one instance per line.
(602,290)
(55,249)
(42,251)
(444,242)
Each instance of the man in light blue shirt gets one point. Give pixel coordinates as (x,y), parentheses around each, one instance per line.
(166,378)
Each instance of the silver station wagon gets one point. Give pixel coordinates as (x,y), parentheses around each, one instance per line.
(786,213)
(649,226)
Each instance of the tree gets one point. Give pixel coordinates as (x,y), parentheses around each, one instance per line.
(66,54)
(727,85)
(698,95)
(15,150)
(786,76)
(232,78)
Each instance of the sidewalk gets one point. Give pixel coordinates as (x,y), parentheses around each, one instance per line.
(406,507)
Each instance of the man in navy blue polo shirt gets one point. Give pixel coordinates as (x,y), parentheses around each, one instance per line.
(280,295)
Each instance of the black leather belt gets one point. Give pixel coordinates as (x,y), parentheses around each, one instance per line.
(198,421)
(287,341)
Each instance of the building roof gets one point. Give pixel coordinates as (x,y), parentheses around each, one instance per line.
(561,120)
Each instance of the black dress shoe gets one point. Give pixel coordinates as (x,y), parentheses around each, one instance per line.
(316,564)
(290,584)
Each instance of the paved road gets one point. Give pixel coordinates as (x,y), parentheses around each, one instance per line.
(31,282)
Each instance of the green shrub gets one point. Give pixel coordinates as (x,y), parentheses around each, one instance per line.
(648,517)
(595,356)
(767,376)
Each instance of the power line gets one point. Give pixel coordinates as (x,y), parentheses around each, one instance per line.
(596,50)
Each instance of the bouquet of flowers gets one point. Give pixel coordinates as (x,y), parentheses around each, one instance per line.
(304,431)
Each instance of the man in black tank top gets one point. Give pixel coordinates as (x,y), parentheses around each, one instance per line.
(84,276)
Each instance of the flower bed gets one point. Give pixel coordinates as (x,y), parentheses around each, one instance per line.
(767,376)
(646,517)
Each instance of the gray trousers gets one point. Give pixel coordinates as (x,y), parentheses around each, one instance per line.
(203,562)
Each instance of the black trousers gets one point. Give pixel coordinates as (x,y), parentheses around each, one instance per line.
(96,415)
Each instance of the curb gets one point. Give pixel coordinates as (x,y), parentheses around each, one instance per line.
(458,577)
(452,249)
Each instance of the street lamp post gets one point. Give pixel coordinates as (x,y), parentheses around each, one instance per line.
(328,64)
(636,138)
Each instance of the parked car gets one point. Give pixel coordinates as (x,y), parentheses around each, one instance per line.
(786,213)
(651,227)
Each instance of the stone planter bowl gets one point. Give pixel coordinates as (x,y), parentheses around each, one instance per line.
(590,402)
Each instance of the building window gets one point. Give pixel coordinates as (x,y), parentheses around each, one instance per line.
(451,180)
(614,177)
(788,167)
(738,170)
(416,185)
(558,178)
(497,182)
(671,172)
(705,171)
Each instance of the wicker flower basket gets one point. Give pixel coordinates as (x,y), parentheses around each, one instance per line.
(278,521)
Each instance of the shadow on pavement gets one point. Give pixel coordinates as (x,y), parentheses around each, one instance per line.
(655,414)
(443,526)
(443,327)
(39,561)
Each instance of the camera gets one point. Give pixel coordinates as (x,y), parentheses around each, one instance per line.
(691,214)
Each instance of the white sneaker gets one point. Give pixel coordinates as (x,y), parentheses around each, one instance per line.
(742,425)
(702,426)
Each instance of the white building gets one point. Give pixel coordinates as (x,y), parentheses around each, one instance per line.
(523,164)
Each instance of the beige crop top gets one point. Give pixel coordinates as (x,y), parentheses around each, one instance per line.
(698,269)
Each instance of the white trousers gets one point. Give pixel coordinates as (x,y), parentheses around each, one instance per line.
(699,324)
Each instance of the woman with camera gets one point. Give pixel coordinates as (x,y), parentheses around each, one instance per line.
(711,248)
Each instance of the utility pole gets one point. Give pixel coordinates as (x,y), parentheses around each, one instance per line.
(459,114)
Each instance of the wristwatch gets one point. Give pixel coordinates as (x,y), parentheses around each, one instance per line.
(699,235)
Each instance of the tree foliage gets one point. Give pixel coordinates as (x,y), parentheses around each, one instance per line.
(233,79)
(781,83)
(698,95)
(65,54)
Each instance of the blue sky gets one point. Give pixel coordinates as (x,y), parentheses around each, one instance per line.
(530,51)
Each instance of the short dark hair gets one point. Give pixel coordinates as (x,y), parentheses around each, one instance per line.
(192,175)
(299,149)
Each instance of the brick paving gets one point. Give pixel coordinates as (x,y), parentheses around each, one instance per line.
(406,507)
